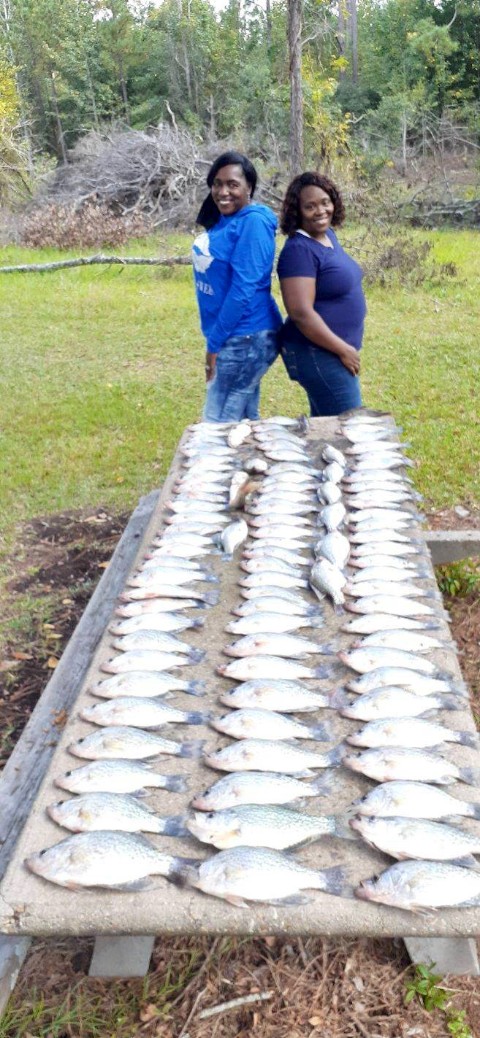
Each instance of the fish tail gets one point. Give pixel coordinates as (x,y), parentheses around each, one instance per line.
(322,671)
(335,882)
(321,732)
(197,623)
(468,739)
(328,649)
(475,812)
(342,828)
(192,749)
(210,578)
(195,655)
(184,872)
(196,717)
(336,756)
(175,826)
(315,619)
(211,597)
(195,688)
(323,785)
(338,700)
(450,703)
(176,784)
(470,775)
(227,556)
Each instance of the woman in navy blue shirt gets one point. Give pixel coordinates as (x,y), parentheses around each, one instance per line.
(232,265)
(323,296)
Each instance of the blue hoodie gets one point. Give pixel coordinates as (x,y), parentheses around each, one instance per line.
(232,265)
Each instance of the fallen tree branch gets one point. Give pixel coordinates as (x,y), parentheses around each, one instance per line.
(262,996)
(85,261)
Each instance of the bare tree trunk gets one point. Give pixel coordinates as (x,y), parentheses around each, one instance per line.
(341,34)
(295,21)
(123,89)
(353,33)
(58,121)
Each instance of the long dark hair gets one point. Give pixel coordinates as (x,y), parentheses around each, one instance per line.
(209,213)
(290,219)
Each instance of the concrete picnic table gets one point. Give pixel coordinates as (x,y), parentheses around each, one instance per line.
(126,923)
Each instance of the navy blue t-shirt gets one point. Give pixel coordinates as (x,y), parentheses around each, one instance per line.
(339,297)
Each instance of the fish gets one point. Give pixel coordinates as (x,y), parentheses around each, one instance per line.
(388,764)
(286,696)
(333,472)
(269,562)
(370,657)
(268,577)
(153,578)
(166,622)
(118,741)
(170,592)
(148,659)
(244,874)
(328,579)
(256,464)
(412,680)
(392,562)
(239,433)
(422,886)
(170,562)
(408,731)
(272,623)
(398,605)
(144,683)
(267,724)
(292,520)
(258,787)
(370,623)
(371,588)
(375,549)
(158,641)
(259,550)
(249,667)
(380,536)
(269,755)
(334,547)
(329,493)
(401,638)
(257,825)
(292,646)
(286,453)
(404,838)
(112,860)
(92,812)
(232,536)
(331,453)
(140,713)
(240,485)
(276,602)
(333,516)
(391,574)
(287,536)
(395,702)
(414,800)
(117,776)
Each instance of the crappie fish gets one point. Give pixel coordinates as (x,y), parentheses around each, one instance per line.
(115,811)
(232,536)
(370,623)
(148,659)
(283,534)
(117,776)
(422,886)
(259,550)
(333,516)
(267,724)
(401,588)
(170,562)
(151,639)
(245,874)
(363,564)
(267,755)
(395,548)
(414,800)
(408,731)
(154,606)
(334,547)
(256,464)
(144,683)
(165,622)
(401,638)
(404,838)
(140,713)
(267,577)
(239,433)
(121,861)
(290,645)
(276,602)
(385,573)
(295,521)
(385,765)
(333,472)
(328,579)
(258,787)
(381,537)
(270,667)
(331,453)
(272,623)
(251,825)
(395,702)
(117,741)
(412,680)
(286,696)
(329,493)
(153,578)
(370,657)
(398,605)
(170,592)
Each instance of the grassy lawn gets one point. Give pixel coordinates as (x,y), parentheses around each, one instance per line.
(101,369)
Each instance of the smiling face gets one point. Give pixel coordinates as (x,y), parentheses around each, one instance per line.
(316,211)
(230,190)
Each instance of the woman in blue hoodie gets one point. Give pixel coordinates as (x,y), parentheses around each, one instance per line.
(232,262)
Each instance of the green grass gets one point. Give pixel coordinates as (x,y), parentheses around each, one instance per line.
(101,369)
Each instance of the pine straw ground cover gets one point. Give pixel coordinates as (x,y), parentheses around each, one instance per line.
(314,987)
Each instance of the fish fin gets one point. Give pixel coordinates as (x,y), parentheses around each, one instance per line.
(237,902)
(192,749)
(292,899)
(470,775)
(176,784)
(475,811)
(467,862)
(139,884)
(320,594)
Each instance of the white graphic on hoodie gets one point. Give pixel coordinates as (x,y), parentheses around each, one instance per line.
(201,256)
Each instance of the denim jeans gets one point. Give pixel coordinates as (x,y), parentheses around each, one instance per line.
(330,387)
(234,391)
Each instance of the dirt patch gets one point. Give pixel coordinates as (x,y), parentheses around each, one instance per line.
(315,987)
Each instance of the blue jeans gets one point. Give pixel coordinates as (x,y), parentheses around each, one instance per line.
(330,387)
(234,391)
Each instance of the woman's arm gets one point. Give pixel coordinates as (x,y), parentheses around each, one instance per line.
(299,296)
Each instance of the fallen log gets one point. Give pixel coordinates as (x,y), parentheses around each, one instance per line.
(86,261)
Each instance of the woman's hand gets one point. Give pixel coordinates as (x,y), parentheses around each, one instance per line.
(350,358)
(210,364)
